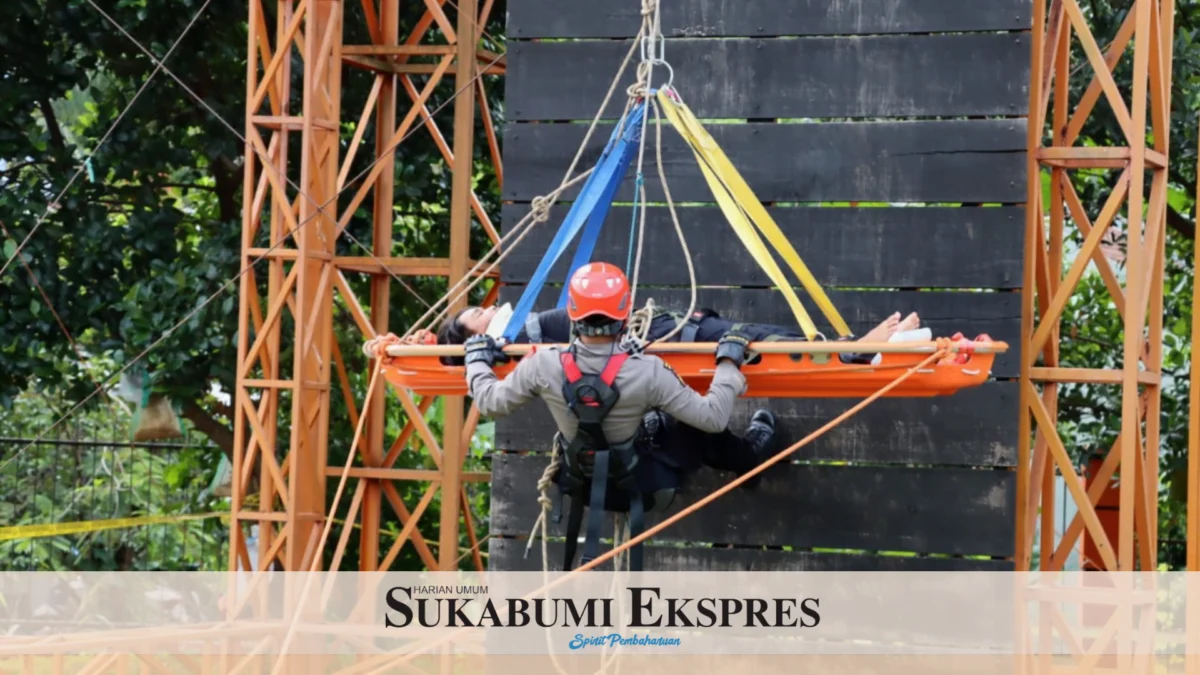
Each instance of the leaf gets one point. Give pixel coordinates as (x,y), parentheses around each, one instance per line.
(174,475)
(10,249)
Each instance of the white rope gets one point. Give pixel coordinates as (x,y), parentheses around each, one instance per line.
(637,333)
(652,39)
(687,254)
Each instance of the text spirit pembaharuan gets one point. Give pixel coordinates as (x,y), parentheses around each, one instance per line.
(648,609)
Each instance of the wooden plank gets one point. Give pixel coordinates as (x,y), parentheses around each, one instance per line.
(590,19)
(810,77)
(859,247)
(954,511)
(977,427)
(953,161)
(508,555)
(944,313)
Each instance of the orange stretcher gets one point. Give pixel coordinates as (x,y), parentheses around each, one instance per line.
(786,369)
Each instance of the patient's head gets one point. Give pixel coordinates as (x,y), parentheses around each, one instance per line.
(462,325)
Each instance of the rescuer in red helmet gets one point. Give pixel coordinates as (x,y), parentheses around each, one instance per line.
(599,394)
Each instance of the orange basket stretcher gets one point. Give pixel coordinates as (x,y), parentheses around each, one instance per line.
(785,370)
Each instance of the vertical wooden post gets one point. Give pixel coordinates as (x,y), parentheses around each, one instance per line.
(1134,454)
(460,240)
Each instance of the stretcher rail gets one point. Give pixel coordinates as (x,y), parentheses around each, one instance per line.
(794,347)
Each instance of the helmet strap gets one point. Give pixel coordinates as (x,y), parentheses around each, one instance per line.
(609,329)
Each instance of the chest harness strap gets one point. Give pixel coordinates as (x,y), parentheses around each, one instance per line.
(592,462)
(688,333)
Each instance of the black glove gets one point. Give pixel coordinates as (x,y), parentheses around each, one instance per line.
(734,346)
(482,348)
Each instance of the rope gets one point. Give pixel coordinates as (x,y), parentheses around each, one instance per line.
(651,35)
(638,332)
(687,255)
(380,355)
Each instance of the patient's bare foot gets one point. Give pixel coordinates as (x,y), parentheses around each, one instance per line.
(884,330)
(910,322)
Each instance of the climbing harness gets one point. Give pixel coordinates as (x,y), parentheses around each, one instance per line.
(599,474)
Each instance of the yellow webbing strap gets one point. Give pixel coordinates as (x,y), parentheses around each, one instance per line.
(82,527)
(750,239)
(738,201)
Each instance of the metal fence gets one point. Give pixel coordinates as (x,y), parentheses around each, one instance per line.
(72,503)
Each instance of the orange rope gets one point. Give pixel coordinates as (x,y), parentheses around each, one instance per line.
(380,353)
(943,349)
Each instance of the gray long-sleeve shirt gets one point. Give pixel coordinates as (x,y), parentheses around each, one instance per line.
(644,382)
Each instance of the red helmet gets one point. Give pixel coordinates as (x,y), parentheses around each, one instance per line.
(598,289)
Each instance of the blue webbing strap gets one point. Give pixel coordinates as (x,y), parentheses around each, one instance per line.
(627,147)
(600,184)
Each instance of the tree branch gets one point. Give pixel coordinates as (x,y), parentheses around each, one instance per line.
(1178,222)
(205,423)
(56,134)
(227,188)
(184,186)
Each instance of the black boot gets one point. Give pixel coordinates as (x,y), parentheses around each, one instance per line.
(654,428)
(757,441)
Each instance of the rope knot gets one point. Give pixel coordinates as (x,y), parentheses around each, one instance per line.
(648,7)
(943,345)
(539,208)
(376,347)
(640,89)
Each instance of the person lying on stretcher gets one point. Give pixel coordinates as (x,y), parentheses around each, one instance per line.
(704,325)
(553,326)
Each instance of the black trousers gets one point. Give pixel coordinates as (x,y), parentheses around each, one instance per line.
(690,448)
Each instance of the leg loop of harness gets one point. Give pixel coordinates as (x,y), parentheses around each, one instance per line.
(591,544)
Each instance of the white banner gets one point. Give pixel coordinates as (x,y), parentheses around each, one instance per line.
(656,613)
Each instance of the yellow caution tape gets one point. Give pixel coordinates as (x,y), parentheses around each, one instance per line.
(85,526)
(738,201)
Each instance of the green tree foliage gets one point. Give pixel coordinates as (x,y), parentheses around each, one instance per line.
(152,227)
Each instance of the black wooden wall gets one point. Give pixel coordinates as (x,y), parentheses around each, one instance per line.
(914,107)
